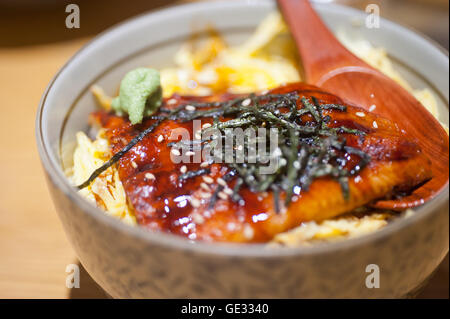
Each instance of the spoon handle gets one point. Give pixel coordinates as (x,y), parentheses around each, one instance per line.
(319,50)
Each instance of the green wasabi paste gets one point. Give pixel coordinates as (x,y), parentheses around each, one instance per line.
(140,94)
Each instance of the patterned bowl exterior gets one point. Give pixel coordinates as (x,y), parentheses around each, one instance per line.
(127,267)
(133,263)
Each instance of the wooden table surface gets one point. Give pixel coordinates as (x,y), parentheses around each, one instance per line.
(34,251)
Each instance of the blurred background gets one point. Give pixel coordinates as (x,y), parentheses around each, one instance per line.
(34,44)
(27,22)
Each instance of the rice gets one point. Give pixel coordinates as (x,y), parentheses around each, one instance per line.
(333,229)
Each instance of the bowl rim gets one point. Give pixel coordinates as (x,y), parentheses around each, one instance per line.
(57,177)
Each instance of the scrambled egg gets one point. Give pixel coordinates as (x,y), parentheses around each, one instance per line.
(266,60)
(106,190)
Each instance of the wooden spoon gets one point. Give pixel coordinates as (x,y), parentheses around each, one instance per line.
(332,67)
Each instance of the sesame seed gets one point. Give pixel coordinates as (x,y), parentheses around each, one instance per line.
(228,191)
(172,101)
(175,152)
(198,219)
(375,124)
(222,195)
(194,202)
(360,114)
(150,176)
(372,108)
(160,138)
(248,232)
(220,181)
(204,195)
(192,236)
(183,169)
(133,163)
(208,179)
(206,125)
(372,95)
(190,108)
(204,164)
(246,102)
(205,186)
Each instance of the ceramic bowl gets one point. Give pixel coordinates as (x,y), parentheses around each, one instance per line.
(130,262)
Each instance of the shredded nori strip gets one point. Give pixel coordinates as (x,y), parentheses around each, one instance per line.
(276,198)
(192,174)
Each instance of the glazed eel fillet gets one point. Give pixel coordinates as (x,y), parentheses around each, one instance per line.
(201,208)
